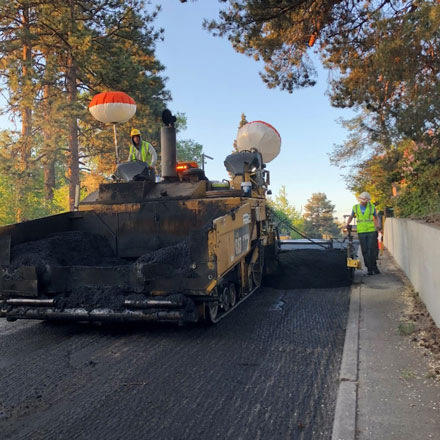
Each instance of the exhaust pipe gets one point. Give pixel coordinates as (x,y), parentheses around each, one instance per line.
(168,147)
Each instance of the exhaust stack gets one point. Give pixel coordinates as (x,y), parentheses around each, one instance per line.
(168,146)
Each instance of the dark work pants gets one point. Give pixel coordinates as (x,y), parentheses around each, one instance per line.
(368,242)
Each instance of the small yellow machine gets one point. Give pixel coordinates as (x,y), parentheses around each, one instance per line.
(352,262)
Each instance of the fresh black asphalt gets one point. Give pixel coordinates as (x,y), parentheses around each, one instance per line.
(267,371)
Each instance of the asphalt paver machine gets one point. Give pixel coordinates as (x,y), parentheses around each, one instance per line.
(182,249)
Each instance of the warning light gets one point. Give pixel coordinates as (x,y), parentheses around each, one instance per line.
(183,166)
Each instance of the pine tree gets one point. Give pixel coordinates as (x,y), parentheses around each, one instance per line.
(55,56)
(18,34)
(243,121)
(318,216)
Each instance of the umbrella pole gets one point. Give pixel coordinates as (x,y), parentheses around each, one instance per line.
(116,143)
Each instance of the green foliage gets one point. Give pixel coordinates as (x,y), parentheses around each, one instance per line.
(61,199)
(406,328)
(181,123)
(392,75)
(265,31)
(54,56)
(385,62)
(282,33)
(286,216)
(189,150)
(377,175)
(412,169)
(392,72)
(7,197)
(421,196)
(31,205)
(318,217)
(243,121)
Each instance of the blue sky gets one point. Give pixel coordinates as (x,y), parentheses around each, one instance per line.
(213,85)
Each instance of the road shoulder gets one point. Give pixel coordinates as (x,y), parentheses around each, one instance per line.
(390,394)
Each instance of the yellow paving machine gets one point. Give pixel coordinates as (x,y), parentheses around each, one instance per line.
(182,249)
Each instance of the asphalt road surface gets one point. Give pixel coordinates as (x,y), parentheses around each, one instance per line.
(267,371)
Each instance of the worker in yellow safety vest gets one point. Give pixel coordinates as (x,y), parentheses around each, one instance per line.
(367,226)
(141,150)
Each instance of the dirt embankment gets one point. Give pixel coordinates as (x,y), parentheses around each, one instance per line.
(418,324)
(432,219)
(310,268)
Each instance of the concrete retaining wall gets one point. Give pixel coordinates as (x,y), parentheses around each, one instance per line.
(416,248)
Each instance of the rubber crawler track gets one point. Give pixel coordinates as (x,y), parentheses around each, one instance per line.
(223,314)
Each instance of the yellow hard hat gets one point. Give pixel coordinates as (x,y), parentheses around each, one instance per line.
(135,132)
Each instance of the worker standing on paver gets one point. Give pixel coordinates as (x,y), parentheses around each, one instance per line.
(141,150)
(367,227)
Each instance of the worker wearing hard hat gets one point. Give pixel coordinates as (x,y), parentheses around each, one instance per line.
(367,226)
(141,150)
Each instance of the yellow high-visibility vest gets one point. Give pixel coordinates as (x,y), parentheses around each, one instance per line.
(365,221)
(146,156)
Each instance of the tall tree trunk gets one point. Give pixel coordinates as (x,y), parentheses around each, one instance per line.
(73,163)
(72,91)
(26,90)
(26,114)
(49,147)
(49,177)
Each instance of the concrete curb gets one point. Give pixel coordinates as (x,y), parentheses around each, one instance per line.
(344,424)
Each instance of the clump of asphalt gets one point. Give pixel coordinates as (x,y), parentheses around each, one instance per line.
(170,261)
(73,248)
(310,268)
(77,248)
(178,256)
(90,298)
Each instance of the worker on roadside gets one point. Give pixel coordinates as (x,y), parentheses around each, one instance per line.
(141,150)
(367,227)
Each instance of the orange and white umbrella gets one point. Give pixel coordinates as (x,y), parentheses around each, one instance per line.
(112,107)
(261,136)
